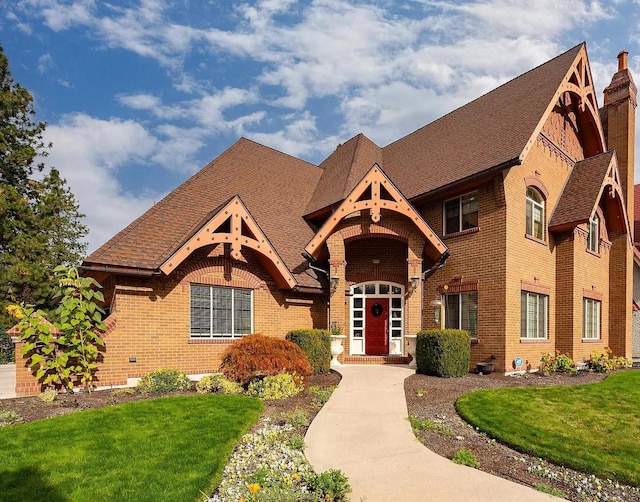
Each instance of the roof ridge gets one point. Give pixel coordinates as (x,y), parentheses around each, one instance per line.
(492,91)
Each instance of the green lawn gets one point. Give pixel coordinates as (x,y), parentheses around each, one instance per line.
(592,428)
(167,449)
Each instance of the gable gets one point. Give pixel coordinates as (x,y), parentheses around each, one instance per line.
(234,226)
(274,186)
(593,182)
(375,193)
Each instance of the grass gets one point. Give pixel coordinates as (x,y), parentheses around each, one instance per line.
(591,428)
(169,449)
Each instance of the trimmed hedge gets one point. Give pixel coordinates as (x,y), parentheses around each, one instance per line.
(316,344)
(257,356)
(443,353)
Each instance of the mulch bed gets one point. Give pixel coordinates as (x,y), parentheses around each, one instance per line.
(33,408)
(434,398)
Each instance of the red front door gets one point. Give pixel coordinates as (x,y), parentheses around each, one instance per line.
(377,326)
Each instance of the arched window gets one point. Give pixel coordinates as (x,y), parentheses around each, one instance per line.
(594,234)
(535,214)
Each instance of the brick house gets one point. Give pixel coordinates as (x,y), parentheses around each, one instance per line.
(507,217)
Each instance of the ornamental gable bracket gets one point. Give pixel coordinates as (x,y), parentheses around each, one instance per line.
(374,193)
(234,225)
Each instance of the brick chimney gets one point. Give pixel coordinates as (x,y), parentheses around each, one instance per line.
(619,122)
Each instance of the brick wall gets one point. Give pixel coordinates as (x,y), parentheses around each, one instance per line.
(476,256)
(151,319)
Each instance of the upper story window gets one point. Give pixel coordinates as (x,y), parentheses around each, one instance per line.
(220,312)
(461,213)
(535,213)
(594,234)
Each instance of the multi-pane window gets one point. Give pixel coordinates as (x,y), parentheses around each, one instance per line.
(594,234)
(591,324)
(534,315)
(220,312)
(535,214)
(461,213)
(461,312)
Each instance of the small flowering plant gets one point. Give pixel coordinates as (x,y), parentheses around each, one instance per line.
(264,467)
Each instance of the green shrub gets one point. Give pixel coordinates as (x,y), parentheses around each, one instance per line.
(544,488)
(297,418)
(160,381)
(279,386)
(9,417)
(558,363)
(296,442)
(217,384)
(316,344)
(602,362)
(48,396)
(321,395)
(6,347)
(330,485)
(256,356)
(464,456)
(444,353)
(123,391)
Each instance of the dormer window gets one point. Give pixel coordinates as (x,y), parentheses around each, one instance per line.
(535,214)
(461,213)
(594,234)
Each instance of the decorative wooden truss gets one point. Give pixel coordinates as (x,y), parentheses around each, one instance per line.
(234,225)
(374,193)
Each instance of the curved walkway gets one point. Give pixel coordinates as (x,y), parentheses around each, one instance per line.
(363,430)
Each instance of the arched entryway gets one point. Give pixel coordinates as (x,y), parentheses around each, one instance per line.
(376,318)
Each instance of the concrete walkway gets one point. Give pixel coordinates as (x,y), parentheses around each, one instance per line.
(7,381)
(363,430)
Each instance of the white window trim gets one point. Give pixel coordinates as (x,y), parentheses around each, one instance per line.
(541,206)
(596,312)
(444,213)
(354,341)
(220,336)
(546,315)
(593,241)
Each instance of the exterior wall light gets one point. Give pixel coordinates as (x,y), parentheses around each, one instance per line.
(334,283)
(437,307)
(413,286)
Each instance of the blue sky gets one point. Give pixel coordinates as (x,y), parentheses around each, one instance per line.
(139,95)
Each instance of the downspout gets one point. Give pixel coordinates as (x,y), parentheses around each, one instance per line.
(440,263)
(428,273)
(311,262)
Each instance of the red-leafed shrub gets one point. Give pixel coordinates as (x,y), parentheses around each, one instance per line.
(256,356)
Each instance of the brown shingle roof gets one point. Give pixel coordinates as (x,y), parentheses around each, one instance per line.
(274,186)
(491,131)
(581,193)
(343,169)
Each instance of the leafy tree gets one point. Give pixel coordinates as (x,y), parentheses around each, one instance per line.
(64,353)
(6,347)
(40,222)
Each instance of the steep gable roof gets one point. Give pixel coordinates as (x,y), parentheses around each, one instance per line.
(342,171)
(275,188)
(585,189)
(492,131)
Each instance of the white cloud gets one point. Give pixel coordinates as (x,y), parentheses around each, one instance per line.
(45,63)
(88,152)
